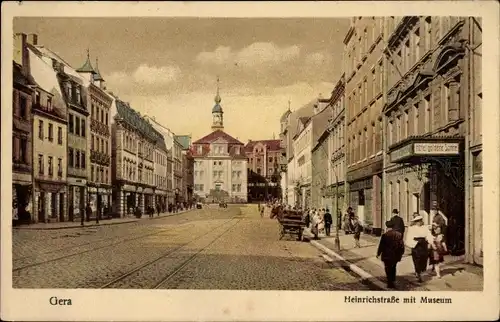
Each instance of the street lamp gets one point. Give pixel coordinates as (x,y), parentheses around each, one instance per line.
(337,239)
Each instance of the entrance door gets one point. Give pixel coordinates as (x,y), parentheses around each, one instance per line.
(53,205)
(361,205)
(41,207)
(61,206)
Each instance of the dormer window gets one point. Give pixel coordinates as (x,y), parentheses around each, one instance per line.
(49,103)
(78,97)
(237,150)
(68,90)
(199,148)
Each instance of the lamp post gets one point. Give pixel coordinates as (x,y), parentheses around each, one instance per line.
(337,238)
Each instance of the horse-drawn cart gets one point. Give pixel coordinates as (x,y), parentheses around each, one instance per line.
(291,223)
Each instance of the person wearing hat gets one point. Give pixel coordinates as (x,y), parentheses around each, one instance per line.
(399,224)
(327,218)
(390,250)
(418,239)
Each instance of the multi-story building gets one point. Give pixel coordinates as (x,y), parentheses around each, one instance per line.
(133,141)
(177,171)
(160,175)
(290,127)
(216,157)
(433,102)
(99,189)
(283,160)
(22,179)
(168,137)
(336,191)
(49,137)
(364,72)
(187,167)
(264,172)
(319,154)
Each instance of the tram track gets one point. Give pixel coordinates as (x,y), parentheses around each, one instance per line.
(155,264)
(117,241)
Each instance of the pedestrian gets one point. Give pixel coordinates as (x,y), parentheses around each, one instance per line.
(418,239)
(438,250)
(356,228)
(97,214)
(88,211)
(390,250)
(439,218)
(347,221)
(307,218)
(327,217)
(399,224)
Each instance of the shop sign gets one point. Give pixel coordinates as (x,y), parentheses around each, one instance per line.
(361,185)
(402,153)
(436,148)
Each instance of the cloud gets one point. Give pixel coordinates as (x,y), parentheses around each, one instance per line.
(154,75)
(256,54)
(317,59)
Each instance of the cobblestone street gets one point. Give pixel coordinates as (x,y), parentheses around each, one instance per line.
(211,248)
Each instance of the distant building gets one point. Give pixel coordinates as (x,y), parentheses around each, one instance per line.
(218,159)
(187,167)
(134,141)
(263,169)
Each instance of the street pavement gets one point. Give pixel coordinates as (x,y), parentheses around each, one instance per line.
(209,248)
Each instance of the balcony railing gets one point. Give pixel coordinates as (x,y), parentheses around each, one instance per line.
(98,127)
(100,158)
(20,166)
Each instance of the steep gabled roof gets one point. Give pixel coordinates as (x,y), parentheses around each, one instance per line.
(216,135)
(184,141)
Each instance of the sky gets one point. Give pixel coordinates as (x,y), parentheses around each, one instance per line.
(167,67)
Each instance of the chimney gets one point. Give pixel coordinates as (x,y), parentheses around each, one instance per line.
(33,39)
(21,54)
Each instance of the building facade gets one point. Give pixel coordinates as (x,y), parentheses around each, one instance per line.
(49,140)
(302,147)
(263,168)
(336,190)
(432,94)
(160,175)
(133,145)
(283,160)
(187,177)
(364,73)
(177,172)
(99,188)
(217,156)
(22,141)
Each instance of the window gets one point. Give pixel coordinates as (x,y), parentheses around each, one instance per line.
(106,118)
(51,132)
(428,34)
(77,159)
(93,111)
(416,120)
(71,125)
(40,130)
(77,125)
(23,152)
(83,160)
(40,164)
(258,170)
(70,157)
(37,98)
(23,107)
(83,128)
(215,163)
(406,125)
(233,188)
(106,175)
(102,116)
(59,135)
(49,103)
(270,160)
(78,97)
(51,170)
(102,145)
(427,114)
(106,151)
(239,187)
(59,167)
(92,142)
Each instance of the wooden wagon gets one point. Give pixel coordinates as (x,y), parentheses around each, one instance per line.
(291,223)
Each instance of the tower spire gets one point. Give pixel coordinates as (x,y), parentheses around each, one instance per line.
(217,113)
(217,96)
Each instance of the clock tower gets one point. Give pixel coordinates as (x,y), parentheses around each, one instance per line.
(217,113)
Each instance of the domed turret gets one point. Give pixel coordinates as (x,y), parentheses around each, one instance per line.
(217,113)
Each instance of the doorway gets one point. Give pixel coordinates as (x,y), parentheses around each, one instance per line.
(41,206)
(61,206)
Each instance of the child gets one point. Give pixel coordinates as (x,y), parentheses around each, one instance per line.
(438,249)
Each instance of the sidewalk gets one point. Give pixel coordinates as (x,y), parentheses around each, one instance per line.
(92,223)
(455,274)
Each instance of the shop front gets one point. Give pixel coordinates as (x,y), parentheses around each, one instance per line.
(365,196)
(50,201)
(22,195)
(430,177)
(100,199)
(77,197)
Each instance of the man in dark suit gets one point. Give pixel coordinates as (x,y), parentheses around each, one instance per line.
(390,251)
(399,224)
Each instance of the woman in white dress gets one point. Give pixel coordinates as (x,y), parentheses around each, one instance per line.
(418,239)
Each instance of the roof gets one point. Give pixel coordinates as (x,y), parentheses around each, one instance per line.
(320,124)
(217,108)
(184,141)
(134,119)
(19,77)
(272,145)
(87,67)
(284,115)
(304,119)
(97,76)
(305,111)
(217,135)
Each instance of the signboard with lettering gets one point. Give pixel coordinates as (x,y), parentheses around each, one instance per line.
(436,148)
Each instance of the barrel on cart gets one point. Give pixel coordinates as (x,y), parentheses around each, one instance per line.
(291,223)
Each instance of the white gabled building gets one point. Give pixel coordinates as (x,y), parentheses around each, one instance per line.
(217,158)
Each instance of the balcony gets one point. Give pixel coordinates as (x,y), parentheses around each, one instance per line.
(100,158)
(99,128)
(20,166)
